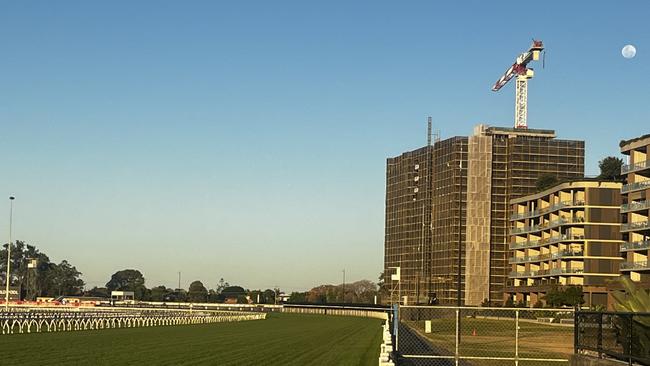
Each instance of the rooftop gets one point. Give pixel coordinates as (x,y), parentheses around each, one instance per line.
(641,141)
(571,183)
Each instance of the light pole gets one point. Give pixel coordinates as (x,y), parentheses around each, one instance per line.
(344,285)
(8,279)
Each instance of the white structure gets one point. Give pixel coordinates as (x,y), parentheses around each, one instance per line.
(122,296)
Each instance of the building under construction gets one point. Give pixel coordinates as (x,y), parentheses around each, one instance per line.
(447,209)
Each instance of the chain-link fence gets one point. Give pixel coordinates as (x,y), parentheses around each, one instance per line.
(622,336)
(445,336)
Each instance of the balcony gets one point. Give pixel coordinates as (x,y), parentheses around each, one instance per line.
(635,186)
(548,256)
(544,272)
(561,271)
(637,245)
(555,207)
(546,225)
(635,266)
(635,206)
(551,240)
(634,226)
(642,165)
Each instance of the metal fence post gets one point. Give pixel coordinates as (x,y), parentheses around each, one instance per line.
(457,335)
(516,337)
(576,329)
(600,336)
(396,321)
(630,338)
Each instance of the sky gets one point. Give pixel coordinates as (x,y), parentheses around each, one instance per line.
(248,140)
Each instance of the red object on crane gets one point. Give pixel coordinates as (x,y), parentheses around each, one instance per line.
(519,67)
(523,73)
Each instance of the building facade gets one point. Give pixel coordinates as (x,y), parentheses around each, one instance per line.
(460,221)
(635,213)
(566,235)
(504,164)
(407,236)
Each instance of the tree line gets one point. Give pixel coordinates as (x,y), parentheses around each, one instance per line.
(49,279)
(46,279)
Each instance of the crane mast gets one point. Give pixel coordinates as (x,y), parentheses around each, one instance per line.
(523,74)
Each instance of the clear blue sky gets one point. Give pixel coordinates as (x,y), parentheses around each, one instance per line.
(247,140)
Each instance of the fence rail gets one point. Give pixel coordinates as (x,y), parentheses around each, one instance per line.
(621,336)
(361,311)
(59,320)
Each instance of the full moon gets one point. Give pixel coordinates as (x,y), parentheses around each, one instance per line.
(628,51)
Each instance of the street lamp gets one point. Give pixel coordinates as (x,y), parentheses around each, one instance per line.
(7,279)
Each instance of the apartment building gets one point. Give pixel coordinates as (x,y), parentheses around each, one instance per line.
(566,235)
(447,219)
(635,208)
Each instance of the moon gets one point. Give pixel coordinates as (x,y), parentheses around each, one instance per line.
(628,51)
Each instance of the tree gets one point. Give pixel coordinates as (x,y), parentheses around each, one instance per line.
(564,296)
(160,293)
(233,292)
(128,280)
(98,292)
(610,168)
(221,286)
(30,281)
(63,279)
(197,292)
(573,296)
(297,297)
(545,181)
(213,296)
(269,296)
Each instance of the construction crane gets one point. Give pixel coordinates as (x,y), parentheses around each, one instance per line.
(523,73)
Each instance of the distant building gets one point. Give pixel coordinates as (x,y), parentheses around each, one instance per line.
(122,295)
(635,209)
(566,235)
(452,198)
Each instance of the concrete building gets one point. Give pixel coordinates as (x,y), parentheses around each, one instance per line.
(407,235)
(455,214)
(505,163)
(635,209)
(566,235)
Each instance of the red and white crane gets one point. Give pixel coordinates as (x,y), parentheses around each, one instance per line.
(523,73)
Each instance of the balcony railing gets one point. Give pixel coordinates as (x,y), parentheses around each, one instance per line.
(635,186)
(635,206)
(640,225)
(630,266)
(636,166)
(637,245)
(551,240)
(559,271)
(545,272)
(548,256)
(547,225)
(557,206)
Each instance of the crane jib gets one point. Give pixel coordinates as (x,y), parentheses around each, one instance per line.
(519,69)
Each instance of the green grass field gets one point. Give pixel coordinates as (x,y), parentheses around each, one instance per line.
(281,339)
(496,337)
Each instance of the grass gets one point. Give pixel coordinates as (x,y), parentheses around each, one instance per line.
(281,339)
(496,338)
